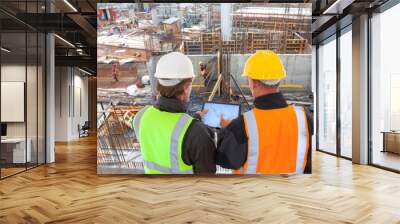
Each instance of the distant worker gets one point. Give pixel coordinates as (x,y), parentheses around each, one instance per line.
(171,141)
(202,66)
(273,137)
(209,72)
(114,72)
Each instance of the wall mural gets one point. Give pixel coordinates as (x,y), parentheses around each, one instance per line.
(204,88)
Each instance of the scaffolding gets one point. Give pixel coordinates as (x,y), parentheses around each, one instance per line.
(243,20)
(247,42)
(116,143)
(281,29)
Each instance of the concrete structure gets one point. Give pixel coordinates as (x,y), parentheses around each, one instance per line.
(226,21)
(298,67)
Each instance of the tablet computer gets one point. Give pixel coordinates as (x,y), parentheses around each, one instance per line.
(212,117)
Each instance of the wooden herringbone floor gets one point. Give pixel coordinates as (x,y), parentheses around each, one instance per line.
(69,191)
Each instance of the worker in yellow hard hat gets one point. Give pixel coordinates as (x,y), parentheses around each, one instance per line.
(273,137)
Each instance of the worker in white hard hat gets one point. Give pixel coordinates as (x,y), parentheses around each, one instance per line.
(171,141)
(273,137)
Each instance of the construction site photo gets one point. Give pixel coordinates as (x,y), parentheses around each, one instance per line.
(217,38)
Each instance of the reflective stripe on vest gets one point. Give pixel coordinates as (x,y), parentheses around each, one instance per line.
(136,120)
(302,139)
(174,148)
(163,169)
(253,141)
(174,144)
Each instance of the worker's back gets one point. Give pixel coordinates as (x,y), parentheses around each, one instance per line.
(277,140)
(160,135)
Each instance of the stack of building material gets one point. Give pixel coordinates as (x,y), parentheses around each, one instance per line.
(247,42)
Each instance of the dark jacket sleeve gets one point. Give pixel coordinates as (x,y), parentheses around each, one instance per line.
(310,122)
(198,148)
(232,145)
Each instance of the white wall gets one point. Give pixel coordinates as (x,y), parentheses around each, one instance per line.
(14,73)
(17,73)
(33,126)
(79,115)
(61,103)
(71,103)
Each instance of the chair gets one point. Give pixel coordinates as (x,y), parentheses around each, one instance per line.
(84,130)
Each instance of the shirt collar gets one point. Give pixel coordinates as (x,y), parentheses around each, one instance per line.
(170,105)
(270,101)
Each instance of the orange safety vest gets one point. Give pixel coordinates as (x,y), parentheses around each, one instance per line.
(277,141)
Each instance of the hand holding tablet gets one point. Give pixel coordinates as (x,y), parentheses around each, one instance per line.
(215,110)
(224,122)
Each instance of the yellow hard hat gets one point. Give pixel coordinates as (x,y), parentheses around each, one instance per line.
(264,65)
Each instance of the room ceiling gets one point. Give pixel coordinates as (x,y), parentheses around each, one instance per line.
(331,15)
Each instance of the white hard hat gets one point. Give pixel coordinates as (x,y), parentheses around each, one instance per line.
(173,68)
(146,80)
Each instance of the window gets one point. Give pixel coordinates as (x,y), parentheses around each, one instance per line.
(22,75)
(346,93)
(327,96)
(385,89)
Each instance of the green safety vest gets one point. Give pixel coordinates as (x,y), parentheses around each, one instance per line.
(160,135)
